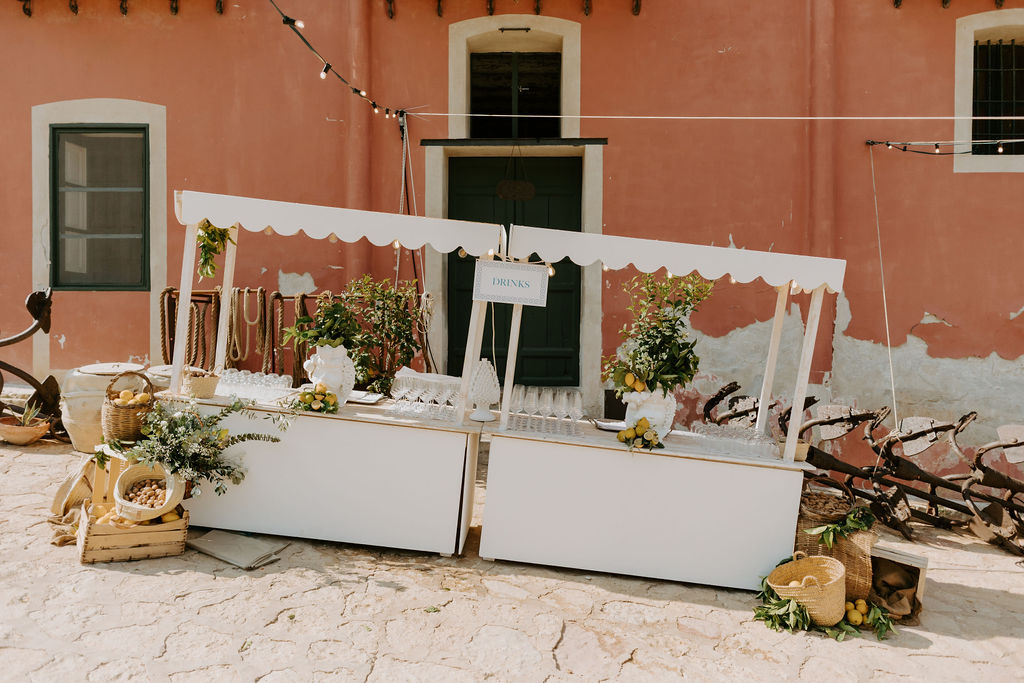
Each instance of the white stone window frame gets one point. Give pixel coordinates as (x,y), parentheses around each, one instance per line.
(1005,24)
(99,111)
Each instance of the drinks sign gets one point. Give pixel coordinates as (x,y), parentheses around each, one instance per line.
(507,282)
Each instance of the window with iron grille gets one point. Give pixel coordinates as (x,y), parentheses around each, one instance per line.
(998,91)
(99,213)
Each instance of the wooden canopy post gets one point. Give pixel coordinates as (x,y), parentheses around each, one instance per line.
(223,321)
(773,357)
(188,261)
(803,373)
(510,364)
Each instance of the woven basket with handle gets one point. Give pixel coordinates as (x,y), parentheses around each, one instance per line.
(854,551)
(821,586)
(125,422)
(200,386)
(138,513)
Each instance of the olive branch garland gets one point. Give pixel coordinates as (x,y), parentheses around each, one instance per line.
(212,241)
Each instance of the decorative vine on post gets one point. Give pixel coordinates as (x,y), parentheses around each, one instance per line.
(212,241)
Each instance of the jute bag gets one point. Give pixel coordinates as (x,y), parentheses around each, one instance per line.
(854,551)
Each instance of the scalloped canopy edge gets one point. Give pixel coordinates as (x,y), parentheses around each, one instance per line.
(745,265)
(348,225)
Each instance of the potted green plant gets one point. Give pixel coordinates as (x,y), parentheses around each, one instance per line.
(656,356)
(191,445)
(377,322)
(24,429)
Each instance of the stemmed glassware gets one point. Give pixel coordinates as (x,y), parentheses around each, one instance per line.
(544,406)
(531,402)
(560,409)
(575,410)
(516,406)
(400,388)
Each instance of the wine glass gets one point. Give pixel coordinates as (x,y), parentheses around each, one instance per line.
(561,409)
(530,402)
(399,390)
(515,406)
(545,406)
(576,409)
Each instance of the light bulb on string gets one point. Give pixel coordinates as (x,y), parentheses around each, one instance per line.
(888,145)
(551,270)
(332,238)
(732,280)
(376,109)
(490,252)
(323,73)
(387,112)
(297,23)
(794,288)
(936,148)
(362,93)
(1000,147)
(396,244)
(604,267)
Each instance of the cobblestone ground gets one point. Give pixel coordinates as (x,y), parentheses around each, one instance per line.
(340,613)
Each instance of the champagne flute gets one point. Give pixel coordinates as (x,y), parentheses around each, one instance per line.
(530,402)
(576,410)
(399,390)
(545,406)
(561,409)
(515,406)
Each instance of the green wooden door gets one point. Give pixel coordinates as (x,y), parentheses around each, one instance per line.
(549,343)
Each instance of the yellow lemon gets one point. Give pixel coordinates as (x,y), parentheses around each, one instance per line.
(640,386)
(861,606)
(316,405)
(143,397)
(127,394)
(650,436)
(120,402)
(849,606)
(794,583)
(643,424)
(331,399)
(306,397)
(630,433)
(629,379)
(622,436)
(319,397)
(854,617)
(320,388)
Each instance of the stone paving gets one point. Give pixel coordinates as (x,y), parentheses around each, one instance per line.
(331,612)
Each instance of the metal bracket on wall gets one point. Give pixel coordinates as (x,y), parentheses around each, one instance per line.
(220,6)
(124,7)
(440,10)
(586,8)
(490,6)
(636,7)
(389,7)
(945,4)
(174,6)
(26,7)
(536,6)
(73,6)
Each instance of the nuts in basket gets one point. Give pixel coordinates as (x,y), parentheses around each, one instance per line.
(151,493)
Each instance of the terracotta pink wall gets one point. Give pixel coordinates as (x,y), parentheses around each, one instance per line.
(247,115)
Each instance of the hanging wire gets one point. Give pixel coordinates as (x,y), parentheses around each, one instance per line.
(885,303)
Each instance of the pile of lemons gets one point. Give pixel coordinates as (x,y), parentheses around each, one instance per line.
(856,611)
(640,435)
(319,399)
(129,398)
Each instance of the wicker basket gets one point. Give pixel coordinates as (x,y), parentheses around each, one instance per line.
(199,386)
(124,422)
(12,431)
(854,551)
(138,513)
(822,588)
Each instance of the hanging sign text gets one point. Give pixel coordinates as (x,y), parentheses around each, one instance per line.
(506,282)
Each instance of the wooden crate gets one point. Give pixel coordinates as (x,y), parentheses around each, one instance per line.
(107,543)
(914,563)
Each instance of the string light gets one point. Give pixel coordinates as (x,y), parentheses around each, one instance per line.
(396,244)
(604,267)
(933,147)
(732,280)
(295,25)
(551,271)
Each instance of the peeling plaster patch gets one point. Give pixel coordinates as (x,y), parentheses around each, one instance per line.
(336,267)
(61,339)
(931,319)
(942,388)
(290,284)
(1013,316)
(263,270)
(740,356)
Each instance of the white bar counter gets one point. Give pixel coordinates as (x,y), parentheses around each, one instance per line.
(363,476)
(682,513)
